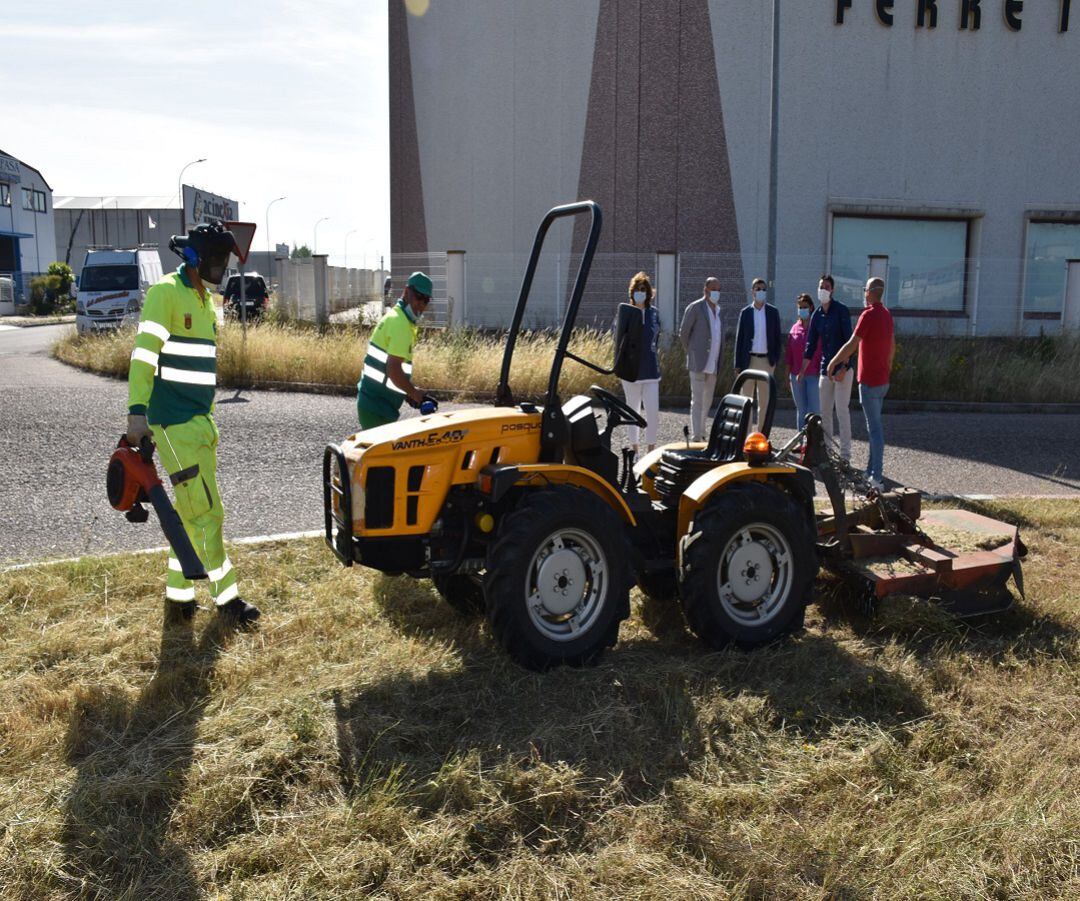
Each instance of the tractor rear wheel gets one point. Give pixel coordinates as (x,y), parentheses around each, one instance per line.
(748,566)
(558,579)
(464,593)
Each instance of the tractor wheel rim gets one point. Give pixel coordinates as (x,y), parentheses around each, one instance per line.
(566,584)
(755,574)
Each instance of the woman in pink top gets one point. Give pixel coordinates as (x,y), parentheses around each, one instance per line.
(805,391)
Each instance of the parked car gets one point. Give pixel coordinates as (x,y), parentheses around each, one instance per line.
(255,293)
(112,287)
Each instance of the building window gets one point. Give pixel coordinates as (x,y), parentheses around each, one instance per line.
(5,194)
(923,261)
(1050,247)
(33,200)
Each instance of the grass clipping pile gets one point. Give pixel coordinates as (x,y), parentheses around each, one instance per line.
(367,741)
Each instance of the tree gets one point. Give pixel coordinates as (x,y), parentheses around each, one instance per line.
(302,252)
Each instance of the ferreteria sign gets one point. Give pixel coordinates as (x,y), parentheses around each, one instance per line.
(9,168)
(969,13)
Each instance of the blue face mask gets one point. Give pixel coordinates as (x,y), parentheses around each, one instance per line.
(804,313)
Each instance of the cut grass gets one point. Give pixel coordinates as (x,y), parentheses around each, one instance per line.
(367,741)
(466,364)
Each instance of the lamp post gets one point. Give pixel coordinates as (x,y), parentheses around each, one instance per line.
(180,191)
(269,255)
(315,239)
(353,232)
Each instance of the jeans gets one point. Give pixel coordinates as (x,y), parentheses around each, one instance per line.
(837,395)
(806,398)
(702,386)
(643,397)
(872,400)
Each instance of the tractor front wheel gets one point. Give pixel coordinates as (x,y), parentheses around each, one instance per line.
(748,566)
(464,593)
(558,579)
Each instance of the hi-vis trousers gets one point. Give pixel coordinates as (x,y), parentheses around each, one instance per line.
(188,452)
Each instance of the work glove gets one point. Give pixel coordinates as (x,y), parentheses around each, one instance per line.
(428,405)
(137,429)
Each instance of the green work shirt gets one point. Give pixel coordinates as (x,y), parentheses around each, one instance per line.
(173,371)
(394,336)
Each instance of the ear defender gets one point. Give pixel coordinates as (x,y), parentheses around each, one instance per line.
(191,256)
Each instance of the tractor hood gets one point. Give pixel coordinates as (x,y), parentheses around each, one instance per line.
(424,457)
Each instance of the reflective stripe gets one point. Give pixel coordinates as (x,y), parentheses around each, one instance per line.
(183,349)
(188,376)
(149,327)
(216,575)
(180,594)
(372,373)
(227,595)
(406,368)
(376,353)
(392,387)
(175,566)
(145,356)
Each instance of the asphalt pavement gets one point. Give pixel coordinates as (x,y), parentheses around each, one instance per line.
(58,427)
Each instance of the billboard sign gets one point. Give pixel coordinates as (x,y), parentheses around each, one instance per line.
(199,204)
(9,169)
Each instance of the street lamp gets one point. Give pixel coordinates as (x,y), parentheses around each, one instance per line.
(315,241)
(353,232)
(180,191)
(269,255)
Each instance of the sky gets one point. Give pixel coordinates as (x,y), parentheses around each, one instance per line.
(281,97)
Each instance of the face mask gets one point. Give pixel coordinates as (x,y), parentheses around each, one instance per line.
(759,297)
(824,295)
(639,297)
(714,296)
(804,313)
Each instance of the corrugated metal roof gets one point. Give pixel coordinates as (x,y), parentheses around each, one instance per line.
(147,202)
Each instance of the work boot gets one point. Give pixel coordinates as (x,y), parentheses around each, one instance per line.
(181,612)
(239,612)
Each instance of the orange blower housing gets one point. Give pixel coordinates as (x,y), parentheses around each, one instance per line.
(131,481)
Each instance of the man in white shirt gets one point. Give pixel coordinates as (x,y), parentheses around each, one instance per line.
(702,337)
(757,346)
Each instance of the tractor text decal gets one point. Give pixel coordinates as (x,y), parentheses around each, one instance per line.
(521,427)
(431,439)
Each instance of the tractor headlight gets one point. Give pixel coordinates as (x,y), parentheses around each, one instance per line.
(133,305)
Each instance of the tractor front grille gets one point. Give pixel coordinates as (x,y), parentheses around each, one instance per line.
(379,498)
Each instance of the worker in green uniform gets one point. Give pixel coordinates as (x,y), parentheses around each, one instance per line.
(386,379)
(171,382)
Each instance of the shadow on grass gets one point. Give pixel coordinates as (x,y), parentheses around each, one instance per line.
(645,716)
(132,762)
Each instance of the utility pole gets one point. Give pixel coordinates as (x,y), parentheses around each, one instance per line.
(315,239)
(269,254)
(774,149)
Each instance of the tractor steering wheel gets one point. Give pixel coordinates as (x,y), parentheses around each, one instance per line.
(618,413)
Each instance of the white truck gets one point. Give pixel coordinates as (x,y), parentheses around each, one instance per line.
(113,286)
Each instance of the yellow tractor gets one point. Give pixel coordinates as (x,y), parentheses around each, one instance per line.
(521,511)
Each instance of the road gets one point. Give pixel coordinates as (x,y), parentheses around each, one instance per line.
(58,427)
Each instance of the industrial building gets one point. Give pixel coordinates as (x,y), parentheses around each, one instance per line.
(931,143)
(27,241)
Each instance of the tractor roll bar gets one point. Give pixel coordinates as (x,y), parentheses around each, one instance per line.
(503,395)
(758,375)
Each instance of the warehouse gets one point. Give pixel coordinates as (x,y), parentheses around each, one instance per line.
(932,143)
(27,240)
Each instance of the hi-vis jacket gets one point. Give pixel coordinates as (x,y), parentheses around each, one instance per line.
(395,336)
(173,369)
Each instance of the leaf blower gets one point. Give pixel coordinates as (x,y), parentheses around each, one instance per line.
(131,481)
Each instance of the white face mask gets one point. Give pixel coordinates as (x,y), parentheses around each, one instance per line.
(714,296)
(824,295)
(759,297)
(639,297)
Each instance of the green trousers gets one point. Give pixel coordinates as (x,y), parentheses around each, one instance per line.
(188,451)
(370,420)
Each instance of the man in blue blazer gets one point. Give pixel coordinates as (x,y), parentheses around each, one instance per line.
(757,345)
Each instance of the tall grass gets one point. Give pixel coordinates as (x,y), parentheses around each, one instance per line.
(466,363)
(366,741)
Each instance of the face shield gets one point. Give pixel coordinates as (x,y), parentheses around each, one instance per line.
(207,248)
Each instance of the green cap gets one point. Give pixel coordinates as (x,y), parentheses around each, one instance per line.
(421,283)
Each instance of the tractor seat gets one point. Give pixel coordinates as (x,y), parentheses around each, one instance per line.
(681,466)
(587,447)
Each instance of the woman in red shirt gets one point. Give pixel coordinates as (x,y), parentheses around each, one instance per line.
(805,391)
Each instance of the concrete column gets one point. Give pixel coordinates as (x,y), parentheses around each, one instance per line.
(667,296)
(322,294)
(455,288)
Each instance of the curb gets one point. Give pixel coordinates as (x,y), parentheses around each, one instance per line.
(5,320)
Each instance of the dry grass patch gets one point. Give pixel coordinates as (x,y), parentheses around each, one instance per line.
(465,364)
(367,741)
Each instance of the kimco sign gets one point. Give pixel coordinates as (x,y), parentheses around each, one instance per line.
(970,12)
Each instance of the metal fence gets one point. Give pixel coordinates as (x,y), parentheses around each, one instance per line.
(433,265)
